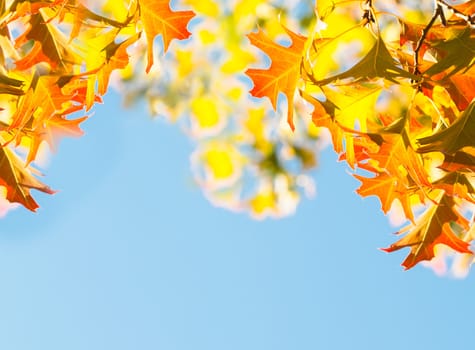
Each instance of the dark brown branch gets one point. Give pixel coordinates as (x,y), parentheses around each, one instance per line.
(438,13)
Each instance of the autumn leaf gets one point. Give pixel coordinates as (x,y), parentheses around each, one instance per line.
(460,161)
(20,9)
(431,229)
(159,19)
(43,99)
(456,53)
(462,88)
(454,138)
(116,58)
(52,130)
(387,188)
(82,16)
(18,180)
(323,116)
(50,46)
(10,86)
(456,184)
(466,8)
(283,73)
(376,63)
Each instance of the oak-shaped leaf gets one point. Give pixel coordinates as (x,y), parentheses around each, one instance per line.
(50,46)
(116,58)
(455,54)
(387,188)
(460,161)
(18,181)
(456,184)
(284,71)
(454,138)
(159,19)
(434,227)
(323,116)
(10,86)
(377,63)
(52,130)
(467,8)
(43,99)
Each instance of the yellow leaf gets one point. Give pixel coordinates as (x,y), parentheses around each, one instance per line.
(220,163)
(185,62)
(206,7)
(205,111)
(262,202)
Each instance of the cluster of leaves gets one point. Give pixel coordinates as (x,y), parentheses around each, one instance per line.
(246,157)
(56,60)
(59,57)
(400,110)
(392,86)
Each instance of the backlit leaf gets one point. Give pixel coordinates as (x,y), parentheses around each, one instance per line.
(283,73)
(18,180)
(159,19)
(454,138)
(432,228)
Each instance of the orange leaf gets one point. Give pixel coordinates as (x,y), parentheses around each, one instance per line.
(50,46)
(322,117)
(432,229)
(159,18)
(51,131)
(459,161)
(387,189)
(18,180)
(284,71)
(43,100)
(28,8)
(117,58)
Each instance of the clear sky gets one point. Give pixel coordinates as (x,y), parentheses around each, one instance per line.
(129,255)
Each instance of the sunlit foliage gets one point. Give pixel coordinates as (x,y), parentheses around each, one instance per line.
(258,86)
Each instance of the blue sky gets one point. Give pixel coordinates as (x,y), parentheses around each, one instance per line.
(129,255)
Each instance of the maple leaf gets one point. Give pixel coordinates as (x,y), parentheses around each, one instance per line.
(284,71)
(433,228)
(18,180)
(158,18)
(452,139)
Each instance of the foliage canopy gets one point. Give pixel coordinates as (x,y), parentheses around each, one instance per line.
(391,82)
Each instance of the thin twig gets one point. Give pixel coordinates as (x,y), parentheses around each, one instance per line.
(439,12)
